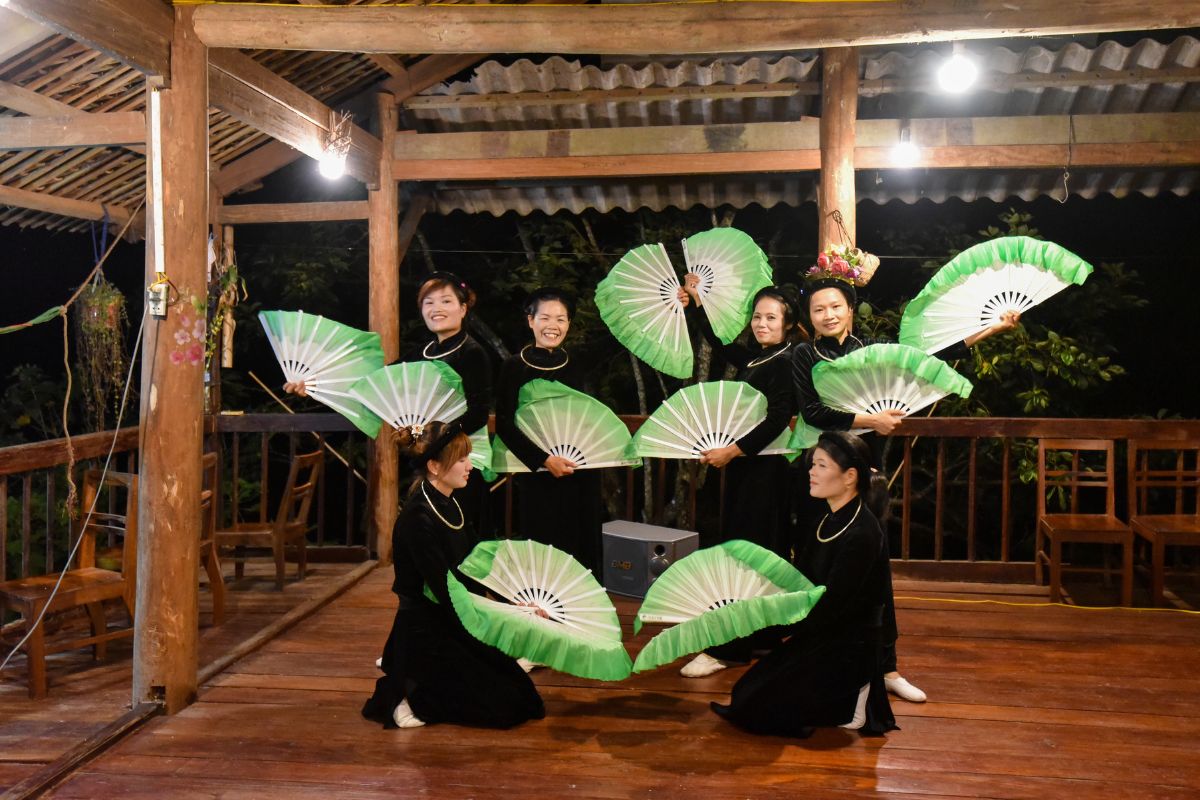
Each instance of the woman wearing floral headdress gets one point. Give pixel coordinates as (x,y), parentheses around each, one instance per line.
(830,297)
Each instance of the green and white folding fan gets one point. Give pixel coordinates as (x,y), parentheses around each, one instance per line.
(719,594)
(412,394)
(803,436)
(638,301)
(328,357)
(884,377)
(971,292)
(579,635)
(567,423)
(481,453)
(703,417)
(732,268)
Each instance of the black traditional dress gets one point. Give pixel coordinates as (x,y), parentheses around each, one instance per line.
(819,415)
(466,357)
(446,674)
(813,679)
(757,506)
(563,512)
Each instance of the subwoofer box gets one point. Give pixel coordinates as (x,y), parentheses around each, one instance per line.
(635,554)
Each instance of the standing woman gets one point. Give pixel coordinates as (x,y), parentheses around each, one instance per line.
(757,488)
(445,300)
(559,506)
(434,670)
(828,673)
(831,300)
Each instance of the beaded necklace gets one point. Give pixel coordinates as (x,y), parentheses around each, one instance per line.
(462,519)
(844,527)
(566,358)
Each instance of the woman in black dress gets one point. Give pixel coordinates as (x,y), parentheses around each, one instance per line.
(828,673)
(434,671)
(831,301)
(756,488)
(556,504)
(445,301)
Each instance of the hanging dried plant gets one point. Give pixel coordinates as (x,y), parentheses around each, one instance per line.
(101,324)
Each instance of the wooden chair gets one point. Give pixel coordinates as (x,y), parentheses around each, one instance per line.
(1148,479)
(209,557)
(291,521)
(1076,527)
(84,585)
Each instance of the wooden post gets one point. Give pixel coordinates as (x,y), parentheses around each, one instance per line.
(384,317)
(164,645)
(839,115)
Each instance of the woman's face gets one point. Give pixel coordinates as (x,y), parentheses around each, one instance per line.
(829,313)
(549,324)
(827,480)
(767,321)
(443,312)
(456,476)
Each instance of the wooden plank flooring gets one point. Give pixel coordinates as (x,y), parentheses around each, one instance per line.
(1026,702)
(85,695)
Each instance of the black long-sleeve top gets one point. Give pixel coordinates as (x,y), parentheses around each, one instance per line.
(425,548)
(768,370)
(852,566)
(824,348)
(468,358)
(531,363)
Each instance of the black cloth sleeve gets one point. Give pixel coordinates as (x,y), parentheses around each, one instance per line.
(954,352)
(813,411)
(781,405)
(512,376)
(476,373)
(737,355)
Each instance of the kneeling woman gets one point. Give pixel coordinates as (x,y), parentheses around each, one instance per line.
(434,671)
(829,672)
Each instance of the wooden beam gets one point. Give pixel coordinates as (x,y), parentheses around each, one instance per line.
(119,128)
(266,213)
(134,32)
(172,392)
(275,155)
(836,202)
(676,28)
(65,206)
(251,93)
(1017,142)
(18,98)
(388,63)
(383,487)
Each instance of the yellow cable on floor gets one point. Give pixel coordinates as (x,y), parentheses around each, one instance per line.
(1043,605)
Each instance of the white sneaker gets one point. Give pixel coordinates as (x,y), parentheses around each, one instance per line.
(404,717)
(860,710)
(701,666)
(527,665)
(379,663)
(904,690)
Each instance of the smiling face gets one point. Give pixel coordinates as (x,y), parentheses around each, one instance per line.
(829,313)
(452,476)
(549,323)
(767,321)
(443,312)
(827,480)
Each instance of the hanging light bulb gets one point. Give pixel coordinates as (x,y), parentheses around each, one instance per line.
(958,72)
(905,153)
(332,163)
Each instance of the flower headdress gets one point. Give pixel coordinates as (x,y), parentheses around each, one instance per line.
(843,263)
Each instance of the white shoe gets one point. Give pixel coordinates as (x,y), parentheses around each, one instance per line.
(702,666)
(860,710)
(904,690)
(404,717)
(527,665)
(379,663)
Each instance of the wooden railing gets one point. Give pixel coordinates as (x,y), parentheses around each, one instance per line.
(958,495)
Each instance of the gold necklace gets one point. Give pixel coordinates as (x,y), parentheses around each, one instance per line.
(843,530)
(462,519)
(759,361)
(566,358)
(425,351)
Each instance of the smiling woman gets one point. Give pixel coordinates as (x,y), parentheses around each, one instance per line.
(556,504)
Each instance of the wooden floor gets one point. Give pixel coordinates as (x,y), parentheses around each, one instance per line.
(85,696)
(1030,702)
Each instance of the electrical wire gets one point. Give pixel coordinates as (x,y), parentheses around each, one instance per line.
(87,518)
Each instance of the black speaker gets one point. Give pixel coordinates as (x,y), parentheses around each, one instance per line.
(635,554)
